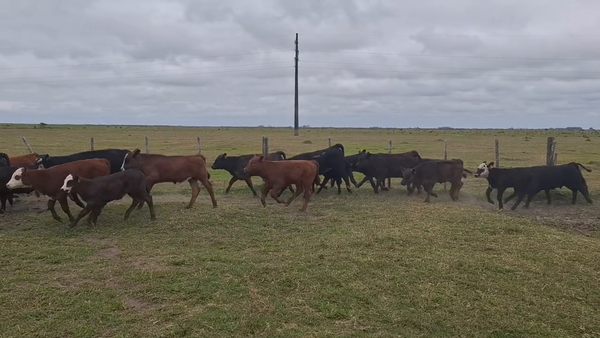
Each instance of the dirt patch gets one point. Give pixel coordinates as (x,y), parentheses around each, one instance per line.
(582,218)
(111,252)
(136,304)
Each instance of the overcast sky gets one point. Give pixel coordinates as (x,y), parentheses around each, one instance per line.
(461,63)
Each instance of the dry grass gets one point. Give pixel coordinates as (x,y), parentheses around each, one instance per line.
(353,265)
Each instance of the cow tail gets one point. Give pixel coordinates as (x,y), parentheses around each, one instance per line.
(586,169)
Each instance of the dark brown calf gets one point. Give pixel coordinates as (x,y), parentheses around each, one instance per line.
(23,160)
(176,169)
(281,174)
(99,191)
(431,172)
(49,181)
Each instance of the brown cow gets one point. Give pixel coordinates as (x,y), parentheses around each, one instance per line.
(278,175)
(176,169)
(49,181)
(23,160)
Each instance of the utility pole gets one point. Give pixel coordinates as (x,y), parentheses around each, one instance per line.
(296,132)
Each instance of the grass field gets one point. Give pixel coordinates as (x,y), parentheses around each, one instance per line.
(352,265)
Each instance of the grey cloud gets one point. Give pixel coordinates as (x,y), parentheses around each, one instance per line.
(202,54)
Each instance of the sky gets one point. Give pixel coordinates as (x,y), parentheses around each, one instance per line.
(385,63)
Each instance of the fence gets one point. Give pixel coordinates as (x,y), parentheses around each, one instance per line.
(551,154)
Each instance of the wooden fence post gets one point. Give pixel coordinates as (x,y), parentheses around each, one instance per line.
(27,145)
(445,155)
(329,142)
(199,146)
(550,150)
(265,146)
(389,152)
(147,145)
(497,151)
(91,143)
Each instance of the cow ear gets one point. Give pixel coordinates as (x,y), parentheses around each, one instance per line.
(413,170)
(261,158)
(75,178)
(490,165)
(484,162)
(46,157)
(224,155)
(136,152)
(368,155)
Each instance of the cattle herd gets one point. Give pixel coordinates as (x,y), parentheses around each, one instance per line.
(101,176)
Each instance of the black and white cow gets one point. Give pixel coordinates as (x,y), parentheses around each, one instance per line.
(529,181)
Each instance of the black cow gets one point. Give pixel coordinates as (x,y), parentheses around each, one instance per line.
(99,191)
(430,172)
(331,162)
(382,166)
(6,194)
(114,156)
(235,166)
(4,160)
(531,180)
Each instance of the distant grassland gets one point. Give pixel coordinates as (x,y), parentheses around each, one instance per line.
(353,265)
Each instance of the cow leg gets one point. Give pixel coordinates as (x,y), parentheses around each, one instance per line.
(499,194)
(75,198)
(519,199)
(250,185)
(88,208)
(347,182)
(351,177)
(365,179)
(547,191)
(296,194)
(277,188)
(93,216)
(2,203)
(231,182)
(263,196)
(574,199)
(10,199)
(149,185)
(513,195)
(132,206)
(51,204)
(585,192)
(206,183)
(64,205)
(428,189)
(377,185)
(454,188)
(324,183)
(307,195)
(529,198)
(148,198)
(195,191)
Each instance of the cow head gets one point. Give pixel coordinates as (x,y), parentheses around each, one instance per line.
(220,162)
(407,176)
(131,161)
(255,164)
(69,183)
(43,162)
(362,161)
(19,179)
(483,170)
